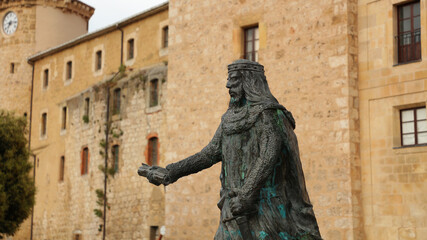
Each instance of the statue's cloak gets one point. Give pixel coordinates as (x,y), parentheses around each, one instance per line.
(282,209)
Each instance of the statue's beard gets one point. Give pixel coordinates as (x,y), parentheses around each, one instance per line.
(237,102)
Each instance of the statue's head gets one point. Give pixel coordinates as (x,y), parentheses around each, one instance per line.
(246,82)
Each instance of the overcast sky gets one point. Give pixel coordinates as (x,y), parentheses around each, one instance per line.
(108,12)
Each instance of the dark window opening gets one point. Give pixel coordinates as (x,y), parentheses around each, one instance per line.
(413,126)
(154,232)
(131,46)
(85,161)
(64,118)
(409,32)
(251,41)
(61,169)
(44,124)
(153,151)
(86,110)
(12,68)
(46,78)
(98,62)
(165,37)
(69,70)
(115,153)
(116,101)
(154,92)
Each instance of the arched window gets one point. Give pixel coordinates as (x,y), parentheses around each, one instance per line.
(85,161)
(153,151)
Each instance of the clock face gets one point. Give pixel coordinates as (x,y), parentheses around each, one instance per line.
(10,23)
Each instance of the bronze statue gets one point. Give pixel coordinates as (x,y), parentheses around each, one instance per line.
(263,192)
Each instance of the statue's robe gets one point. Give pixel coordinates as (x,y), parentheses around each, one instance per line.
(260,158)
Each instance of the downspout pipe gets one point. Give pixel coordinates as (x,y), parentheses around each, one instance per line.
(121,43)
(29,142)
(107,130)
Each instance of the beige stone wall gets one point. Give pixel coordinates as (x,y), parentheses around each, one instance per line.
(394,178)
(14,49)
(309,50)
(135,205)
(58,28)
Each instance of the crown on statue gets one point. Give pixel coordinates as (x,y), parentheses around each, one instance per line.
(243,64)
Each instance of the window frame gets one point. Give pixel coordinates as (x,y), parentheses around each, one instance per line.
(165,36)
(43,127)
(64,118)
(86,110)
(255,51)
(69,70)
(117,101)
(84,161)
(46,78)
(153,146)
(115,153)
(98,60)
(131,49)
(61,169)
(153,99)
(415,48)
(415,121)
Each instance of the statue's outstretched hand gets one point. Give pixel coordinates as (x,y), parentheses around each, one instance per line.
(155,174)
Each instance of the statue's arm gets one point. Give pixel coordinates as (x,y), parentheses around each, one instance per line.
(270,147)
(209,155)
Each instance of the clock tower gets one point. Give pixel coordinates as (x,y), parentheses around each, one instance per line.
(28,27)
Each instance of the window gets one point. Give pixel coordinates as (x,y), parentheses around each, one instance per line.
(413,126)
(98,60)
(154,232)
(154,92)
(69,71)
(131,47)
(86,115)
(409,32)
(153,151)
(77,236)
(115,153)
(165,39)
(61,169)
(116,101)
(44,125)
(12,68)
(64,118)
(85,161)
(45,78)
(251,42)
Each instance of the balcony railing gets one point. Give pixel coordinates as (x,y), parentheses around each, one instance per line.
(409,46)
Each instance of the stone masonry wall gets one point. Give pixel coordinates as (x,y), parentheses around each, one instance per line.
(134,204)
(309,52)
(394,177)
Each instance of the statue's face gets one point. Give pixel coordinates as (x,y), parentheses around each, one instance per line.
(235,86)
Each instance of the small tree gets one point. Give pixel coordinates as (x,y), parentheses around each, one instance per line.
(17,189)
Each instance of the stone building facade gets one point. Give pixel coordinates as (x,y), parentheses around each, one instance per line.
(309,50)
(68,130)
(394,172)
(41,24)
(337,65)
